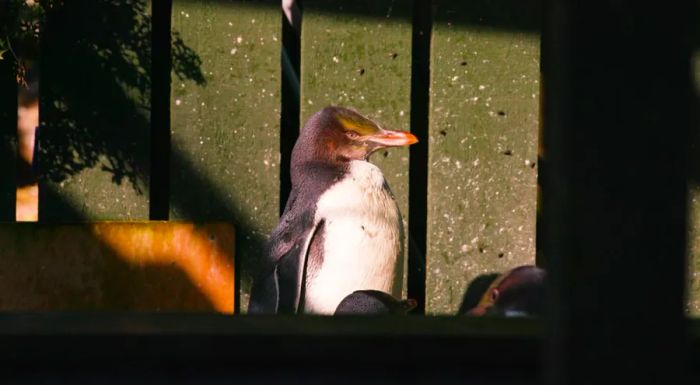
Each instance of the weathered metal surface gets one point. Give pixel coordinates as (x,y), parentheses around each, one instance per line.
(94,129)
(483,146)
(358,54)
(117,266)
(225,125)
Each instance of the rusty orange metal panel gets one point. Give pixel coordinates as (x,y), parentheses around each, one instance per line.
(144,266)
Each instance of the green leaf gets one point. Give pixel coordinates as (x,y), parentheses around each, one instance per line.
(2,52)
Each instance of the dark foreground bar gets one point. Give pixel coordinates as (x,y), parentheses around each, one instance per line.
(616,111)
(196,348)
(191,348)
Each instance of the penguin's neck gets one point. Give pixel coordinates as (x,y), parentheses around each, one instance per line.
(366,174)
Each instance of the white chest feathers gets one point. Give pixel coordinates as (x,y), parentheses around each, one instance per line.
(362,243)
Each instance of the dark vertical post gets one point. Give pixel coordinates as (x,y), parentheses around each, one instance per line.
(8,138)
(290,94)
(161,64)
(8,122)
(418,163)
(542,201)
(617,91)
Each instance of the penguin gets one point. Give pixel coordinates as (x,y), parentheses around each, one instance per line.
(519,292)
(341,230)
(373,302)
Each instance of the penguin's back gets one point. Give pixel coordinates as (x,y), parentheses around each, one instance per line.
(360,245)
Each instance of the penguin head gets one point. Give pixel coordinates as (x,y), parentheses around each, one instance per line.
(373,302)
(338,134)
(518,292)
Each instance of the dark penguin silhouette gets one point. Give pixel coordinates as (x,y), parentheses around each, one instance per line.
(341,229)
(518,292)
(373,302)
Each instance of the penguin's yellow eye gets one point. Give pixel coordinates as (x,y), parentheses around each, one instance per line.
(353,135)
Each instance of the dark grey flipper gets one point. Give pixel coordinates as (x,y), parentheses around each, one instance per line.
(278,288)
(264,295)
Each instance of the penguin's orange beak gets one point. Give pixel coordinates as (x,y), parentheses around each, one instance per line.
(389,138)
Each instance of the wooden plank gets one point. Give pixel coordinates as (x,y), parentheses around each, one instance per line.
(483,145)
(225,127)
(117,266)
(94,129)
(358,54)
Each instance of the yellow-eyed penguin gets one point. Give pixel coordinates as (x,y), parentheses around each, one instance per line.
(519,292)
(341,230)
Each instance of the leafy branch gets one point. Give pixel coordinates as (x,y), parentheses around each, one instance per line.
(20,23)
